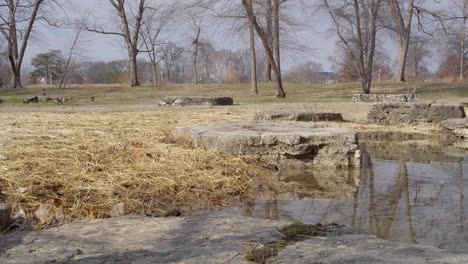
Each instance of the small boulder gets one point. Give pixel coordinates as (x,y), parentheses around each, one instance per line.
(397,113)
(5,213)
(118,210)
(195,100)
(456,130)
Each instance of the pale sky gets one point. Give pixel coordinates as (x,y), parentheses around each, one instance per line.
(315,36)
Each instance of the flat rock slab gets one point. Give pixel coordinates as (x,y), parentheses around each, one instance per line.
(5,212)
(195,100)
(397,113)
(298,116)
(288,144)
(213,237)
(457,130)
(375,98)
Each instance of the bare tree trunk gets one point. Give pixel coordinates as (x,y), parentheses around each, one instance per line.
(73,48)
(404,33)
(154,67)
(401,63)
(462,43)
(16,79)
(196,42)
(363,25)
(10,33)
(269,34)
(133,70)
(131,39)
(276,7)
(261,33)
(253,60)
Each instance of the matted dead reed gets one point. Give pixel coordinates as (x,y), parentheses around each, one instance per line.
(65,167)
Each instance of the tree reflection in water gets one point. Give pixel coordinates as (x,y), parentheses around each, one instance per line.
(416,199)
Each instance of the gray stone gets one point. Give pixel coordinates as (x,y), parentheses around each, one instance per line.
(288,144)
(396,113)
(209,237)
(363,249)
(374,98)
(195,100)
(5,212)
(298,116)
(457,131)
(457,124)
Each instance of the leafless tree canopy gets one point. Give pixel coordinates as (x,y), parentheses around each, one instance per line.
(172,41)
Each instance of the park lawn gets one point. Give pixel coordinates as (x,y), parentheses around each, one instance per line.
(80,159)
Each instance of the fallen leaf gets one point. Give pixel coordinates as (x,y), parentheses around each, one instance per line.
(42,212)
(117,210)
(22,189)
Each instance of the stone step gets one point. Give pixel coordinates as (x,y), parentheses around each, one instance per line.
(298,116)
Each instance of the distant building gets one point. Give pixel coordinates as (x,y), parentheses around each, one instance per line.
(327,78)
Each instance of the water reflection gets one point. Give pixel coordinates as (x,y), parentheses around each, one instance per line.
(407,199)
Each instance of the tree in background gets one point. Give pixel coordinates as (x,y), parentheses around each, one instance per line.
(403,18)
(346,69)
(355,23)
(272,55)
(418,53)
(130,18)
(309,72)
(17,20)
(157,18)
(450,67)
(48,65)
(171,54)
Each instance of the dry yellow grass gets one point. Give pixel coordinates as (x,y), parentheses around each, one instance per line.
(81,165)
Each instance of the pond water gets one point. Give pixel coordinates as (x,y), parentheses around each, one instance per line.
(406,193)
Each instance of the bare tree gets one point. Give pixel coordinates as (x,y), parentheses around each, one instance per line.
(268,48)
(157,18)
(171,53)
(73,54)
(17,20)
(253,59)
(418,52)
(462,38)
(131,18)
(355,23)
(403,20)
(268,7)
(276,35)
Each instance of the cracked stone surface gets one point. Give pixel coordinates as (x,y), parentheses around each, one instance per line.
(288,144)
(457,131)
(374,98)
(397,113)
(298,116)
(195,100)
(209,237)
